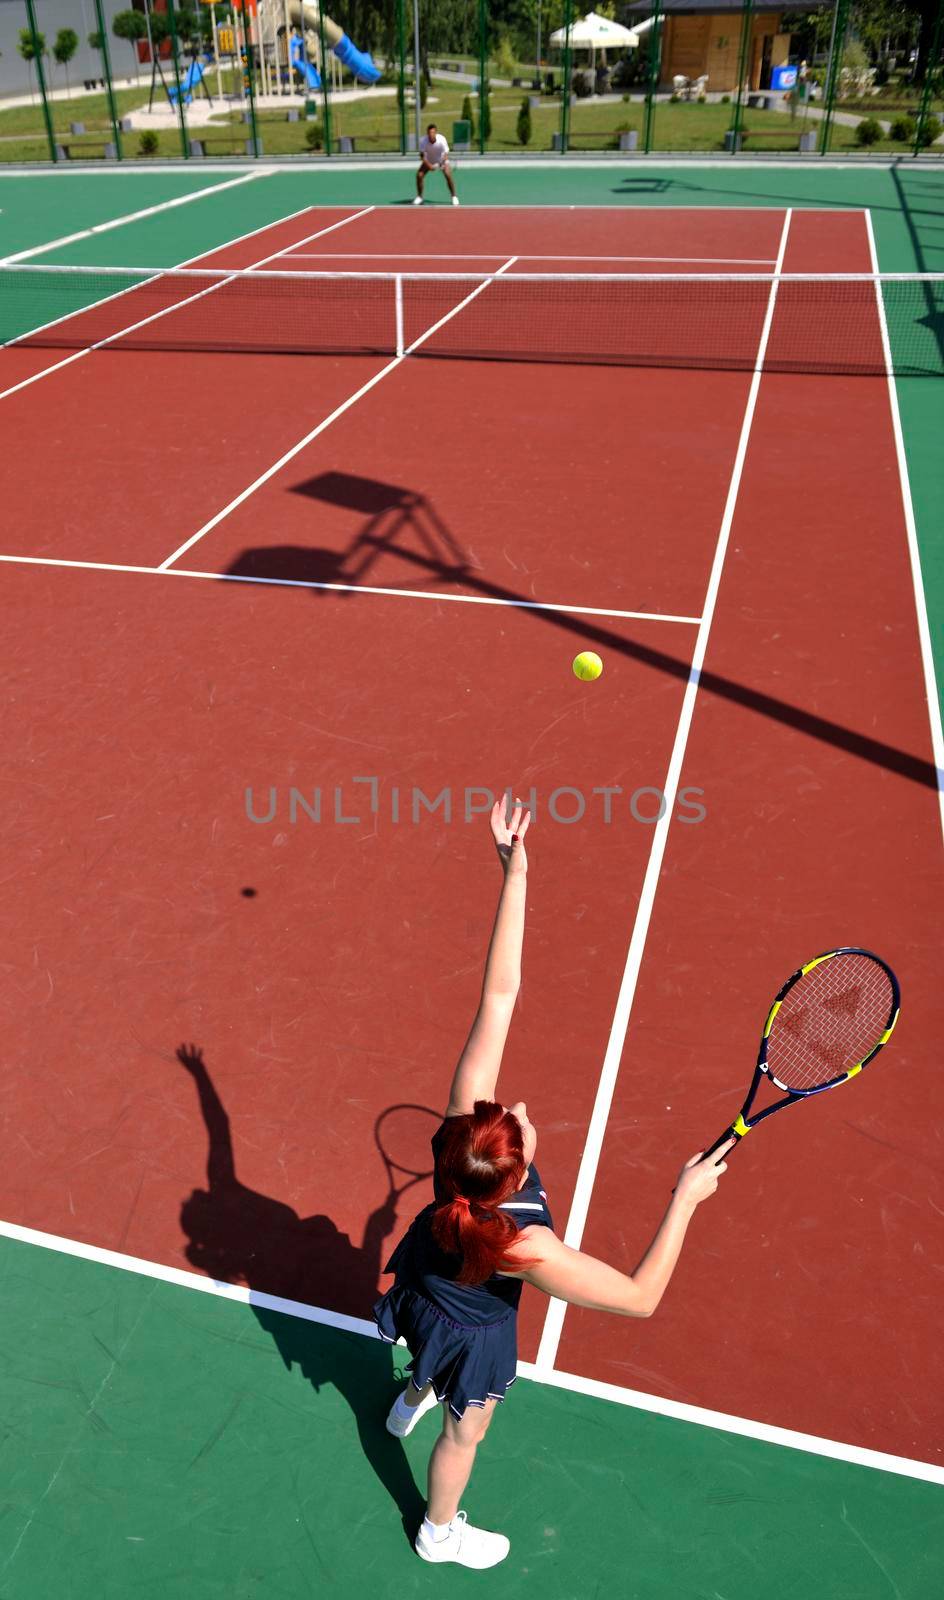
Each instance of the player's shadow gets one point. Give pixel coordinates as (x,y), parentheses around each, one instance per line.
(404,525)
(237,1235)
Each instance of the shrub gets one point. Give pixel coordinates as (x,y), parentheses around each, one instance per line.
(524,122)
(468,115)
(674,99)
(869,131)
(313,135)
(725,99)
(931,130)
(148,143)
(505,62)
(903,129)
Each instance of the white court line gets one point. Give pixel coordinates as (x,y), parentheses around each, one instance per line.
(134,216)
(469,255)
(746,1427)
(914,554)
(220,283)
(320,427)
(354,588)
(583,1189)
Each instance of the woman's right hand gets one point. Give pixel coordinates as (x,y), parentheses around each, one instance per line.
(698,1179)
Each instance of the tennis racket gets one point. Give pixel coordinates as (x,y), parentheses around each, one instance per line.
(830,1019)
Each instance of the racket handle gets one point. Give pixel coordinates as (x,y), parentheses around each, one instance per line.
(729,1133)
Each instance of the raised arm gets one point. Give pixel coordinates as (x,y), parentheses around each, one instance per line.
(477,1072)
(583,1280)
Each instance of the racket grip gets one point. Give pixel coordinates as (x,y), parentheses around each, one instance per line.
(729,1133)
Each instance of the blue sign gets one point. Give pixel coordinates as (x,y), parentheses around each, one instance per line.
(783,78)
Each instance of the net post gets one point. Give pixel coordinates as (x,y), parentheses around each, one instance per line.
(833,72)
(565,86)
(484,114)
(41,79)
(175,52)
(401,79)
(398,303)
(743,52)
(655,62)
(930,71)
(324,83)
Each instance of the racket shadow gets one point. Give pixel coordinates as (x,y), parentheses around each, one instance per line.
(235,1234)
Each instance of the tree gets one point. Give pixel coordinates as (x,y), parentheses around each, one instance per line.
(468,115)
(67,43)
(29,51)
(524,122)
(131,26)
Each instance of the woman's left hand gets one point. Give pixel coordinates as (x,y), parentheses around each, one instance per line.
(509,837)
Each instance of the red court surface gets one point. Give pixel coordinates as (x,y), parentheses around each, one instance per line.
(144,704)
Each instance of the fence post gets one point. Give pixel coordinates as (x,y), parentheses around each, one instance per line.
(250,74)
(833,72)
(325,95)
(930,73)
(41,80)
(743,69)
(655,59)
(484,108)
(565,88)
(401,81)
(175,52)
(109,85)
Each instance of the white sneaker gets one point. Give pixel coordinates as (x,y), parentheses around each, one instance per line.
(455,199)
(419,200)
(470,1547)
(403,1426)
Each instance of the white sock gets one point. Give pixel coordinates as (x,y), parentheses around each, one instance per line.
(438,1530)
(401,1407)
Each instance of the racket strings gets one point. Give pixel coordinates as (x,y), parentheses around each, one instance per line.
(830,1020)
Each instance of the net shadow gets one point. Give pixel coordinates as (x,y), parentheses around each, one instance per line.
(398,511)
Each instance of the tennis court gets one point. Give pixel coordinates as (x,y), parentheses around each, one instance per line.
(299,542)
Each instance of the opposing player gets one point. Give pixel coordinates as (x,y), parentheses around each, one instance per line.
(434,157)
(460,1267)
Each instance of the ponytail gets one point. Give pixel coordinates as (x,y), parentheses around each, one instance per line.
(479,1164)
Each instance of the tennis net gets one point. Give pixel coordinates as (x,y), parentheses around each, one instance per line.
(840,323)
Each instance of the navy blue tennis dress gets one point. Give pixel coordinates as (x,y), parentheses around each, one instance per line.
(463,1338)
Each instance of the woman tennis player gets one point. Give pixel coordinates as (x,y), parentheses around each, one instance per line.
(460,1267)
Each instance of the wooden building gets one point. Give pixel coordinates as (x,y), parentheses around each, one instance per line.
(701,38)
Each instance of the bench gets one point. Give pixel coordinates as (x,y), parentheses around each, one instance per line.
(226,144)
(72,149)
(770,133)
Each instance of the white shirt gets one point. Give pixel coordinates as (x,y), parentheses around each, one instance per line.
(435,150)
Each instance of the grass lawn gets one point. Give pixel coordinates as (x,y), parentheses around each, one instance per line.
(374,124)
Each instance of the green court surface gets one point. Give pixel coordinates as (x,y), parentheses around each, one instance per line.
(158,1441)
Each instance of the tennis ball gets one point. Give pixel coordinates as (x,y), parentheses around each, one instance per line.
(587,666)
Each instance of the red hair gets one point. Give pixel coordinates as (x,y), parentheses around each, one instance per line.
(480,1162)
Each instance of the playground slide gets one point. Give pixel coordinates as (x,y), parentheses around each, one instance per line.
(191,80)
(301,64)
(306,14)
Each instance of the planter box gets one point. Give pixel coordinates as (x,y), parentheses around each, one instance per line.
(253,149)
(732,141)
(345,145)
(807,141)
(76,127)
(196,147)
(556,142)
(292,116)
(630,140)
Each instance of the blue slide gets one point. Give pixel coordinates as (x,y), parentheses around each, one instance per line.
(302,64)
(190,81)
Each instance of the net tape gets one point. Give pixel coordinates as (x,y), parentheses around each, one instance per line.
(835,323)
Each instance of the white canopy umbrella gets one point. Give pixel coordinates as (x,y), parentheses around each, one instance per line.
(594,32)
